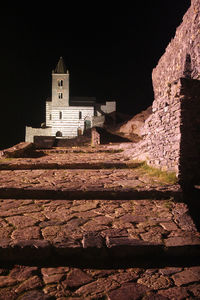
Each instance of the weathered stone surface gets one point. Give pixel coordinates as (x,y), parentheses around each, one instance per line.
(129,291)
(21,221)
(92,240)
(178,293)
(29,284)
(182,241)
(7,294)
(185,277)
(156,281)
(194,289)
(27,233)
(21,273)
(36,295)
(77,278)
(170,270)
(53,271)
(7,281)
(19,150)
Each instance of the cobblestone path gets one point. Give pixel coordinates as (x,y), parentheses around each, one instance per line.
(109,231)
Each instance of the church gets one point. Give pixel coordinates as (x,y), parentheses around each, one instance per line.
(68,117)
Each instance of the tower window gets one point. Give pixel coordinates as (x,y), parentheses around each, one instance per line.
(60,115)
(60,82)
(60,95)
(80,115)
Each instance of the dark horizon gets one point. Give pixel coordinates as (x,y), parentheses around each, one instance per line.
(108,57)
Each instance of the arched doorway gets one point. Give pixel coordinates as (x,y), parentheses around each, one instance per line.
(87,124)
(58,134)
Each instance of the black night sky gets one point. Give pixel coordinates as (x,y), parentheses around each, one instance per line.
(109,54)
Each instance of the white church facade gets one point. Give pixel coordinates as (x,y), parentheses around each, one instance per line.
(68,117)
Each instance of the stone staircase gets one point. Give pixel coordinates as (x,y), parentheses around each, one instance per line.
(86,223)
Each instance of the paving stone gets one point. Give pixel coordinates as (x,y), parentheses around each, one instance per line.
(7,294)
(6,281)
(185,277)
(154,296)
(194,289)
(185,222)
(27,233)
(52,278)
(92,240)
(154,235)
(76,278)
(5,232)
(169,226)
(128,218)
(21,221)
(98,287)
(182,241)
(170,270)
(36,295)
(155,281)
(178,293)
(21,273)
(128,291)
(29,284)
(53,271)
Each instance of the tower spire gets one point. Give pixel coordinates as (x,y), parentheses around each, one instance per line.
(61,68)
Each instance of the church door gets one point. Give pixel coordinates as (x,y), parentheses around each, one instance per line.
(87,124)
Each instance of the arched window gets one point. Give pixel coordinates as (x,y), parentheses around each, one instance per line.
(60,95)
(60,82)
(60,115)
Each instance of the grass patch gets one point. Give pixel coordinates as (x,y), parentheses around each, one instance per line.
(161,176)
(6,159)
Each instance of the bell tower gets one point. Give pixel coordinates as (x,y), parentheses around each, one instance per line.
(60,85)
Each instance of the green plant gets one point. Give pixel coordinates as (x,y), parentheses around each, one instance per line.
(161,176)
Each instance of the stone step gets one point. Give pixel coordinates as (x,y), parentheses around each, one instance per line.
(81,194)
(96,232)
(63,282)
(64,165)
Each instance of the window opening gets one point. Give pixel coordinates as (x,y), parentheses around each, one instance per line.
(80,115)
(60,82)
(60,95)
(60,115)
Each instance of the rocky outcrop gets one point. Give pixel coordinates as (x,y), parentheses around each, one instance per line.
(135,125)
(19,150)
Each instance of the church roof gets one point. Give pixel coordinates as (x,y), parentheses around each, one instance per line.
(82,101)
(61,68)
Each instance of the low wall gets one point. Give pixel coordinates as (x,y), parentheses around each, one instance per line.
(31,132)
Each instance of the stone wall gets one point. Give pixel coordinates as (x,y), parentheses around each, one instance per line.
(171,135)
(31,132)
(163,130)
(182,56)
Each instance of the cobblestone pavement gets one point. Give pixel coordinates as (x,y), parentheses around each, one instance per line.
(75,249)
(25,282)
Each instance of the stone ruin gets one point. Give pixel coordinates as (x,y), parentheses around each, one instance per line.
(171,135)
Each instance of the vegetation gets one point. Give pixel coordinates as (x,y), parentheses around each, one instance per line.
(162,176)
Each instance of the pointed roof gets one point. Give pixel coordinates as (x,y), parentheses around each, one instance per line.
(61,68)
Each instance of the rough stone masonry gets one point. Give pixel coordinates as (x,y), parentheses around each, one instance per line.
(172,133)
